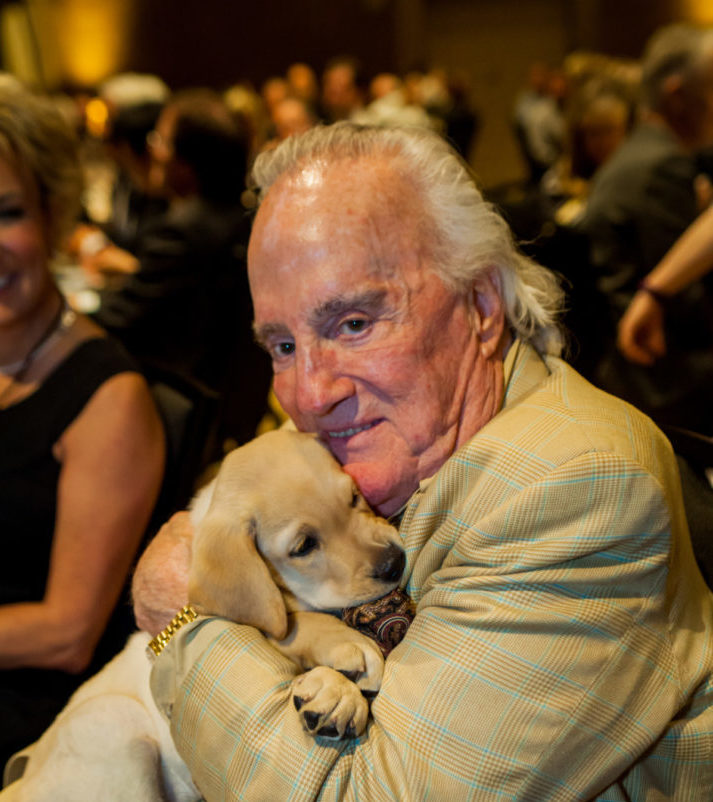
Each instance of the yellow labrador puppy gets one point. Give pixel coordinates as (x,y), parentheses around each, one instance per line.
(282,532)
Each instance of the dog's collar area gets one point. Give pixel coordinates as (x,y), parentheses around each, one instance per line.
(184,616)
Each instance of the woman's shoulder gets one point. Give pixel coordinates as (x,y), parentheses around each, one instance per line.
(91,355)
(103,355)
(115,406)
(93,361)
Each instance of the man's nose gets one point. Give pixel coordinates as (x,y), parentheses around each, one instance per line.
(320,383)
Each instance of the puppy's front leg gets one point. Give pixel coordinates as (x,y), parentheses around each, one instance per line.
(345,667)
(320,639)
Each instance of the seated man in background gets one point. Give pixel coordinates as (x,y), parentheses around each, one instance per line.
(109,248)
(561,644)
(641,201)
(134,204)
(186,307)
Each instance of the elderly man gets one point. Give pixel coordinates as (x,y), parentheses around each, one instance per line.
(641,201)
(561,648)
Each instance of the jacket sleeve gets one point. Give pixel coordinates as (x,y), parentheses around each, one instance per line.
(538,665)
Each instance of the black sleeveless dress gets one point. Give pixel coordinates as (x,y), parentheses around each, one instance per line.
(30,698)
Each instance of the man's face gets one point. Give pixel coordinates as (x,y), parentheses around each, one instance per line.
(370,349)
(339,91)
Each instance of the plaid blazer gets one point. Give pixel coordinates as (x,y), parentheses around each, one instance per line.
(561,648)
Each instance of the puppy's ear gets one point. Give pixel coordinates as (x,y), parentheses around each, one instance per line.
(228,577)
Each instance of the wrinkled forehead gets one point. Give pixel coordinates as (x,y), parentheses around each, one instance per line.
(353,203)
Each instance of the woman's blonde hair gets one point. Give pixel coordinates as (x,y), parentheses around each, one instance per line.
(40,146)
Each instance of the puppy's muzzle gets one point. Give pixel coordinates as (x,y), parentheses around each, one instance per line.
(391,565)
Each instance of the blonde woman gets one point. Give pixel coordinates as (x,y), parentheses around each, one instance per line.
(81,444)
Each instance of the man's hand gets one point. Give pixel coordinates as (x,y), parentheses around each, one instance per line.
(160,583)
(640,334)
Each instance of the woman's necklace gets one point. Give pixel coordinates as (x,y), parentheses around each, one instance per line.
(17,371)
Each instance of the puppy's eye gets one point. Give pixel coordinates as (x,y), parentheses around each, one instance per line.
(355,498)
(307,544)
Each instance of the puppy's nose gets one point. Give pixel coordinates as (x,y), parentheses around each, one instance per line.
(391,565)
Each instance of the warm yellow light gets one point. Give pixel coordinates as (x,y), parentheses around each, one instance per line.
(92,36)
(86,38)
(96,115)
(699,11)
(17,44)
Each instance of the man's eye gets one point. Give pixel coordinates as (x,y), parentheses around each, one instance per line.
(354,325)
(283,349)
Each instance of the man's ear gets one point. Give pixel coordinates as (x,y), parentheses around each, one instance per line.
(488,311)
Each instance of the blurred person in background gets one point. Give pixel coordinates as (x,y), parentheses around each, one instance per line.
(118,200)
(273,91)
(538,119)
(599,117)
(641,333)
(111,247)
(342,89)
(640,202)
(390,105)
(248,108)
(186,306)
(97,116)
(290,116)
(461,120)
(134,202)
(81,444)
(303,84)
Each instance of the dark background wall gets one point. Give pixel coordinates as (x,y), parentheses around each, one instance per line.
(219,42)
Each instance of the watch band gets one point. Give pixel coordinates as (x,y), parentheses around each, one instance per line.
(184,616)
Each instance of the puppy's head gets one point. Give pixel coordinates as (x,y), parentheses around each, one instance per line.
(283,515)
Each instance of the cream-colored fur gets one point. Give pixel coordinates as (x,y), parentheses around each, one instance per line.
(280,534)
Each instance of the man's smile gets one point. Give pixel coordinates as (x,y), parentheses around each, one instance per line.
(350,432)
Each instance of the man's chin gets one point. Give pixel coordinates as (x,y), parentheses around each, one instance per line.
(376,484)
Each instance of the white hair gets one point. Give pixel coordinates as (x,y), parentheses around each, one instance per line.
(468,236)
(679,49)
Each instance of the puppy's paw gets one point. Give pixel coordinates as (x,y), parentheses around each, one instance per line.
(329,704)
(360,661)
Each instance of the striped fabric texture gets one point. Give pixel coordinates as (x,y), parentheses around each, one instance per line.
(561,648)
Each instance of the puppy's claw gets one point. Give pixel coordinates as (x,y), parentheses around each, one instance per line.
(330,731)
(311,719)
